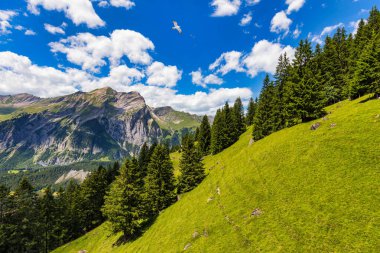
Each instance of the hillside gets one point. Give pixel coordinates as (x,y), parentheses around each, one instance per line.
(296,190)
(101,125)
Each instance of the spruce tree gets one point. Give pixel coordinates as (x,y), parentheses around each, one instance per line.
(143,160)
(159,183)
(266,120)
(216,133)
(250,112)
(204,136)
(238,119)
(123,203)
(191,167)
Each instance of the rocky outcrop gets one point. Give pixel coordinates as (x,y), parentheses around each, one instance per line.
(102,124)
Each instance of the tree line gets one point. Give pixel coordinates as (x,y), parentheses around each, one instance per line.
(129,196)
(346,67)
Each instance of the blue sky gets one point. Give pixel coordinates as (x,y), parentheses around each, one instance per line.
(56,47)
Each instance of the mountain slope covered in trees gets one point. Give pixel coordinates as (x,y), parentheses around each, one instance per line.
(295,190)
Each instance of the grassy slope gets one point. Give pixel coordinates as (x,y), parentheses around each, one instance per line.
(318,191)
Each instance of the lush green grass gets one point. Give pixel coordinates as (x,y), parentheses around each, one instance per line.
(319,191)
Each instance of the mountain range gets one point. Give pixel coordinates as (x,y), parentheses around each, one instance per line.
(99,125)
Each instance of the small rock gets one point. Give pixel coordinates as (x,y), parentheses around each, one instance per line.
(187,246)
(210,199)
(315,126)
(195,234)
(256,212)
(332,125)
(82,251)
(251,141)
(218,191)
(178,197)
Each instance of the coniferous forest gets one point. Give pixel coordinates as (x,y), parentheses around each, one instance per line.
(132,194)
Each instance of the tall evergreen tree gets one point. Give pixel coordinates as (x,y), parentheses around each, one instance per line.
(238,119)
(123,203)
(159,183)
(143,160)
(266,118)
(250,112)
(216,133)
(191,167)
(204,136)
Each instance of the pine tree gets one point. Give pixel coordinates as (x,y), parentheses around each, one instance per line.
(216,133)
(367,73)
(266,118)
(250,112)
(143,160)
(159,183)
(191,167)
(93,190)
(123,203)
(282,76)
(204,136)
(238,119)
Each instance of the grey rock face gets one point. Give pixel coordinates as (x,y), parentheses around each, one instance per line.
(102,124)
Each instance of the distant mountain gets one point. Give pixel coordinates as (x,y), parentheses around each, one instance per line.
(98,125)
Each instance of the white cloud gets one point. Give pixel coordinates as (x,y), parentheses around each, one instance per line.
(89,51)
(297,32)
(79,11)
(326,31)
(227,62)
(294,5)
(225,7)
(161,75)
(355,26)
(54,29)
(19,28)
(30,32)
(5,18)
(18,75)
(280,23)
(103,4)
(246,20)
(264,57)
(198,79)
(252,2)
(127,4)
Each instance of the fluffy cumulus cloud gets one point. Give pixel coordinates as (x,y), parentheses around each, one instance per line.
(197,78)
(55,29)
(318,38)
(246,20)
(127,4)
(5,18)
(280,23)
(294,5)
(161,75)
(90,51)
(18,74)
(30,32)
(79,11)
(225,7)
(264,57)
(227,62)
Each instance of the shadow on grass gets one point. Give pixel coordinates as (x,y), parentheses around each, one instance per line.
(373,97)
(127,239)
